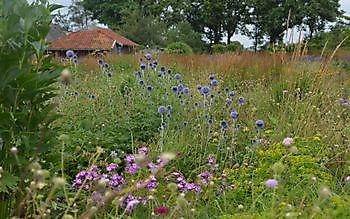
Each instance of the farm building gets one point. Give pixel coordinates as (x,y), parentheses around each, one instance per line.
(93,39)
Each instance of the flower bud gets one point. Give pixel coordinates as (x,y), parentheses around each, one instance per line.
(14,150)
(324,192)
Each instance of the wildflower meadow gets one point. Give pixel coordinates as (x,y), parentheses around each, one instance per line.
(161,135)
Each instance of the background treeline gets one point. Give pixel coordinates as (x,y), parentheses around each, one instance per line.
(204,23)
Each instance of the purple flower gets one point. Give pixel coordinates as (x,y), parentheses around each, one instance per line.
(287,141)
(148,56)
(211,159)
(149,87)
(223,124)
(143,66)
(143,150)
(241,100)
(199,87)
(271,183)
(205,176)
(232,93)
(162,69)
(259,124)
(214,83)
(341,100)
(131,205)
(69,53)
(186,90)
(110,167)
(205,90)
(161,210)
(162,109)
(234,114)
(177,76)
(211,77)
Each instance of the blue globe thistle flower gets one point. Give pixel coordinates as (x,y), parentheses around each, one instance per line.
(205,90)
(210,121)
(159,73)
(162,109)
(186,90)
(174,88)
(69,53)
(63,59)
(241,100)
(196,104)
(106,65)
(227,89)
(180,86)
(141,82)
(75,61)
(169,107)
(214,83)
(109,74)
(142,66)
(229,102)
(180,96)
(211,77)
(141,59)
(148,56)
(149,87)
(259,123)
(232,93)
(177,76)
(162,69)
(212,96)
(237,126)
(75,93)
(234,114)
(169,71)
(206,103)
(155,63)
(223,124)
(199,87)
(185,123)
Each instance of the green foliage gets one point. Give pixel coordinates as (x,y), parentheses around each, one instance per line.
(179,48)
(26,90)
(218,48)
(232,47)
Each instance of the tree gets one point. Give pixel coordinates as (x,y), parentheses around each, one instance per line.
(79,17)
(235,12)
(62,20)
(318,13)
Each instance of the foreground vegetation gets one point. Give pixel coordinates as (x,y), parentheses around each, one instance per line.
(249,135)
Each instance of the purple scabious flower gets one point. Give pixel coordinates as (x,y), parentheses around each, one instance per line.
(211,159)
(162,109)
(205,90)
(186,90)
(148,56)
(271,183)
(241,100)
(69,53)
(287,141)
(234,114)
(259,124)
(143,150)
(341,100)
(177,76)
(110,167)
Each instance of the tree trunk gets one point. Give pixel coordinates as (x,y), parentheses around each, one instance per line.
(229,36)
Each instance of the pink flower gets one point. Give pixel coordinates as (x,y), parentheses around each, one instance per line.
(287,141)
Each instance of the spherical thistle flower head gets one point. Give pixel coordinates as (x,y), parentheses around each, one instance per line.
(162,109)
(227,89)
(109,74)
(210,121)
(287,141)
(232,93)
(174,89)
(75,61)
(155,63)
(148,56)
(259,124)
(346,104)
(212,96)
(180,86)
(142,66)
(205,90)
(160,73)
(234,114)
(211,77)
(169,71)
(199,87)
(186,90)
(149,87)
(162,69)
(241,100)
(214,83)
(100,61)
(177,76)
(141,82)
(169,107)
(271,183)
(196,104)
(69,53)
(223,124)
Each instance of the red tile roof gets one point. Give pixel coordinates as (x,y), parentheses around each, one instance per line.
(90,39)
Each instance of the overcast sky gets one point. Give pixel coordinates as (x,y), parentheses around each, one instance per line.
(345,5)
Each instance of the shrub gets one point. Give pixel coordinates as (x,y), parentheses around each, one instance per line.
(218,48)
(179,48)
(234,46)
(25,92)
